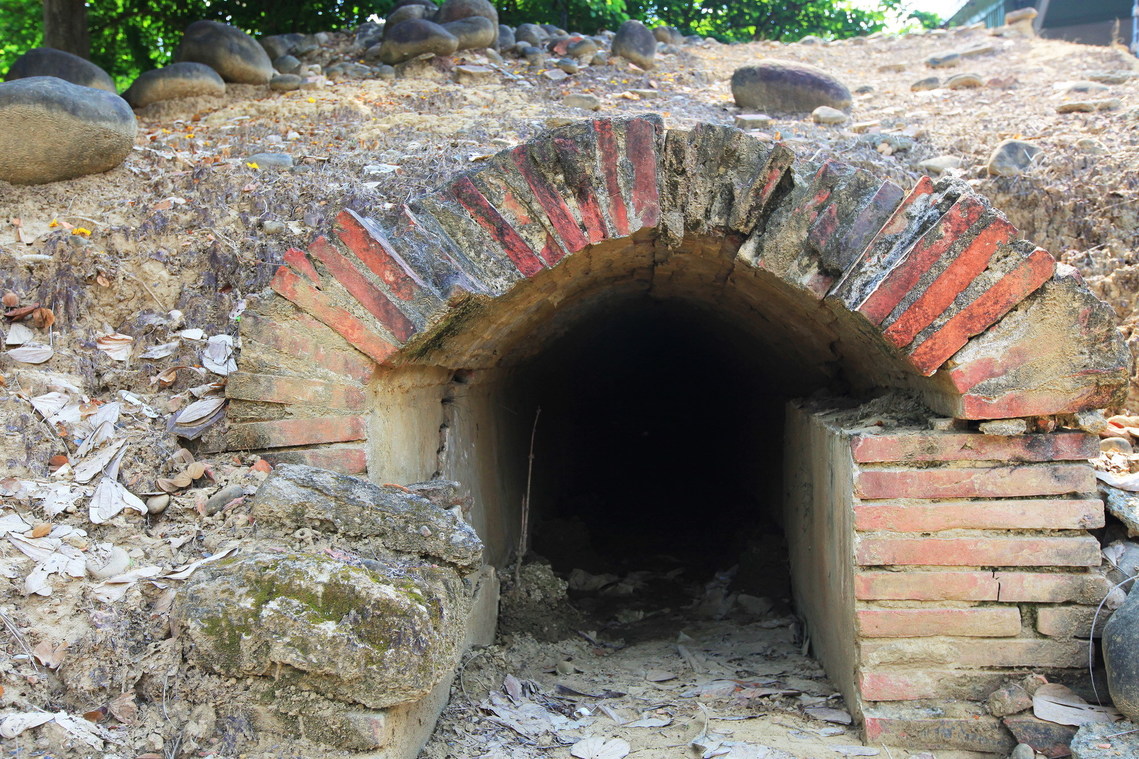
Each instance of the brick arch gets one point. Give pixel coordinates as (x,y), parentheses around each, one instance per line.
(983,324)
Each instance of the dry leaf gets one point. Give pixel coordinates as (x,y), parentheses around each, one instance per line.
(96,715)
(10,299)
(50,656)
(199,411)
(43,318)
(659,676)
(160,351)
(1057,703)
(21,313)
(599,748)
(184,571)
(31,354)
(115,345)
(18,334)
(828,714)
(41,530)
(14,724)
(218,355)
(123,708)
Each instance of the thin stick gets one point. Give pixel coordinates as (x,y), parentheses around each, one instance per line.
(526,500)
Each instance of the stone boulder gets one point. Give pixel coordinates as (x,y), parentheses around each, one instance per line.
(669,35)
(277,45)
(374,633)
(634,42)
(52,130)
(473,32)
(47,61)
(178,80)
(787,87)
(414,37)
(296,496)
(505,37)
(405,13)
(1012,158)
(430,5)
(232,53)
(453,10)
(531,34)
(1121,656)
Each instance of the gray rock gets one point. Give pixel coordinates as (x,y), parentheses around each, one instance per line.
(929,83)
(493,56)
(977,48)
(47,61)
(377,633)
(586,102)
(554,31)
(1080,87)
(824,114)
(227,50)
(1011,699)
(634,42)
(1023,751)
(277,45)
(506,37)
(943,60)
(178,80)
(584,48)
(453,10)
(1115,445)
(473,32)
(287,64)
(471,74)
(568,65)
(788,87)
(415,37)
(531,34)
(1113,77)
(52,130)
(753,121)
(964,82)
(1124,506)
(534,55)
(669,35)
(600,58)
(405,13)
(1121,740)
(1090,106)
(940,164)
(286,82)
(271,160)
(295,496)
(811,39)
(1022,14)
(218,500)
(1012,158)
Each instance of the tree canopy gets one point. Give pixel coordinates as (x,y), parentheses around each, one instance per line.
(131,36)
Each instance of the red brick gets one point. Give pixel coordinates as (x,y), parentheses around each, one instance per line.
(873,216)
(295,342)
(275,389)
(925,586)
(607,152)
(971,446)
(335,458)
(1053,587)
(1036,514)
(559,214)
(367,294)
(976,482)
(285,433)
(1070,621)
(482,211)
(375,252)
(1025,653)
(299,260)
(1036,402)
(979,622)
(926,728)
(640,147)
(921,258)
(978,552)
(913,685)
(944,289)
(982,313)
(289,285)
(579,182)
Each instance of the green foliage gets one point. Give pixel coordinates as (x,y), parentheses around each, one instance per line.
(786,20)
(577,15)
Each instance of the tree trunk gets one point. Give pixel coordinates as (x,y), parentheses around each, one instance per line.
(65,26)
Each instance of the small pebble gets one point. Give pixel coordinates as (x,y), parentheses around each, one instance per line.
(271,160)
(824,114)
(157,504)
(218,500)
(583,101)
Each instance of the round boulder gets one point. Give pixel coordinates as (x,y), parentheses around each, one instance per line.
(47,61)
(52,130)
(227,50)
(669,35)
(1121,656)
(405,13)
(415,37)
(178,80)
(788,87)
(505,37)
(430,5)
(531,34)
(1012,158)
(473,32)
(634,42)
(453,10)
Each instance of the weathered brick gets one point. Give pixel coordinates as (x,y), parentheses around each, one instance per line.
(976,482)
(1070,621)
(295,341)
(1008,514)
(849,198)
(289,285)
(978,552)
(610,160)
(343,459)
(911,684)
(1029,653)
(375,252)
(491,220)
(641,151)
(922,728)
(299,260)
(925,586)
(948,234)
(971,446)
(1048,738)
(940,294)
(978,622)
(562,221)
(274,389)
(365,292)
(983,312)
(285,433)
(575,147)
(1053,587)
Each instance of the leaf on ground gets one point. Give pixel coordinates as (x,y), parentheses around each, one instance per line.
(829,714)
(659,676)
(116,345)
(160,351)
(31,354)
(599,748)
(50,404)
(110,498)
(1057,703)
(200,410)
(114,588)
(218,355)
(18,334)
(184,571)
(50,656)
(650,722)
(86,470)
(14,724)
(90,734)
(123,708)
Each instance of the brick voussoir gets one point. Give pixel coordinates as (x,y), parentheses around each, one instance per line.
(937,483)
(511,199)
(461,238)
(1006,514)
(980,551)
(826,234)
(576,149)
(503,233)
(289,285)
(287,433)
(608,153)
(566,227)
(372,248)
(905,447)
(869,221)
(755,192)
(299,261)
(268,388)
(643,136)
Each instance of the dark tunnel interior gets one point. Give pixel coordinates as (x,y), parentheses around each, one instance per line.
(659,444)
